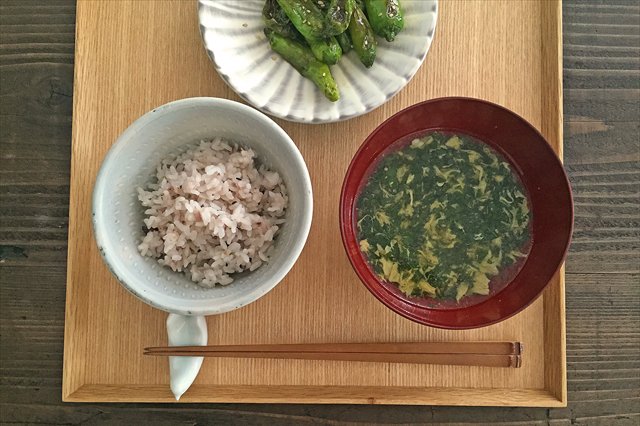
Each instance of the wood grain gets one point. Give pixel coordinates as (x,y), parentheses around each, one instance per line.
(323,395)
(601,156)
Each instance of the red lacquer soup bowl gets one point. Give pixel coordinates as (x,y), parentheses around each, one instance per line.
(538,168)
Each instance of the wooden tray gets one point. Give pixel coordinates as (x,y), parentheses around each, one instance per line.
(132,56)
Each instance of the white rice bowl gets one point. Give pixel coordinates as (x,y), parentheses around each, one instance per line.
(212,212)
(131,163)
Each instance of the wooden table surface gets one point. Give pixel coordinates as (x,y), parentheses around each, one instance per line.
(602,157)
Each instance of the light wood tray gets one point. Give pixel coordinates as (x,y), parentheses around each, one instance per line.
(132,56)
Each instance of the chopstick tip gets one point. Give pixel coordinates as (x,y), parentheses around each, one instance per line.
(519,347)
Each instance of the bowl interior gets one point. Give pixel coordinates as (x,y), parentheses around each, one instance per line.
(131,163)
(540,171)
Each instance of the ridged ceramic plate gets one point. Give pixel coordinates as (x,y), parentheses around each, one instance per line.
(232,31)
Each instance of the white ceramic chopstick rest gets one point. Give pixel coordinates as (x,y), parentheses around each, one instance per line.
(183,330)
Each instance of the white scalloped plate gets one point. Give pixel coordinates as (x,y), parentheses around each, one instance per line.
(232,31)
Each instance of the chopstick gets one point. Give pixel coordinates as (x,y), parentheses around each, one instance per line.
(484,348)
(489,354)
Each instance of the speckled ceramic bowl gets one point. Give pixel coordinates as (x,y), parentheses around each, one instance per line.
(232,31)
(131,162)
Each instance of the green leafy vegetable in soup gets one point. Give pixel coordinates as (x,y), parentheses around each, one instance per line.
(443,216)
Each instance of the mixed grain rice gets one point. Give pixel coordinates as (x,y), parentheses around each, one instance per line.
(213,212)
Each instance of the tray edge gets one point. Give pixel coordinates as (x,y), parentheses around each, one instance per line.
(555,365)
(370,395)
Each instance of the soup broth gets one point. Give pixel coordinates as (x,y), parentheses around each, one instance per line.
(444,217)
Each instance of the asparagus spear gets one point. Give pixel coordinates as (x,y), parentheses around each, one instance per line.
(364,41)
(339,15)
(306,17)
(275,19)
(386,17)
(303,60)
(344,41)
(326,50)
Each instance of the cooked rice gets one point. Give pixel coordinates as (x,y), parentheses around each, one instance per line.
(213,212)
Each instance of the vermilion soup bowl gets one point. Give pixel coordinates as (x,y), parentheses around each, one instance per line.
(540,171)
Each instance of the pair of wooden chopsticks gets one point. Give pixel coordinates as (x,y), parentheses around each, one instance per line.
(487,354)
